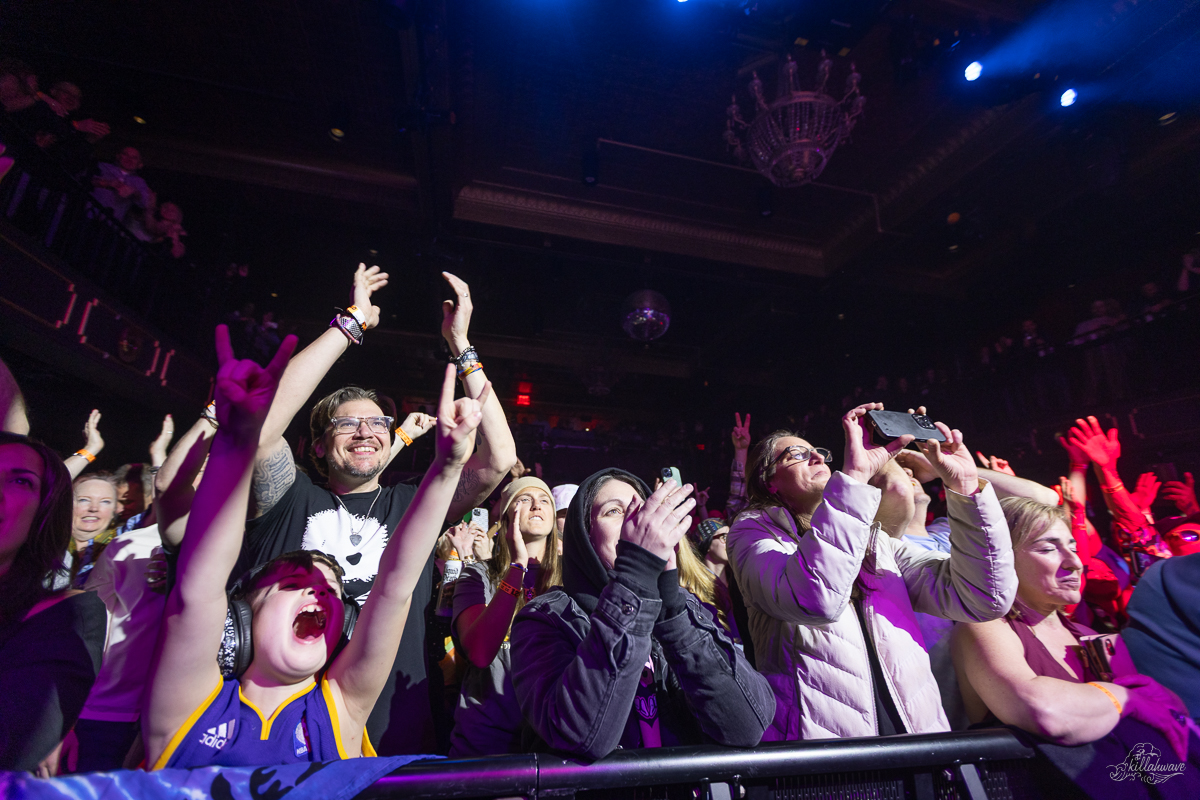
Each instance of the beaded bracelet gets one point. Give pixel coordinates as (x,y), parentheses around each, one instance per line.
(1111,696)
(404,437)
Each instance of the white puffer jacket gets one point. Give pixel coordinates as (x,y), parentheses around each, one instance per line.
(807,638)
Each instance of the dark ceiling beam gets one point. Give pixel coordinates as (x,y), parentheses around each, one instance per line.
(595,222)
(324,178)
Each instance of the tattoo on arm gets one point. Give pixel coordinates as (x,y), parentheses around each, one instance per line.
(273,476)
(468,486)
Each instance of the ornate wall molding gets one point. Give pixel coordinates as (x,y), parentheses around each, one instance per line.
(499,205)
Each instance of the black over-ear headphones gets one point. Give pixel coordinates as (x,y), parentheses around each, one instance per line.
(237,647)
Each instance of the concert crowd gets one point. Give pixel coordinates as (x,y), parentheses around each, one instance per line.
(230,603)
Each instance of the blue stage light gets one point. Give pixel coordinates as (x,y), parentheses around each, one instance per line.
(1068,98)
(973,70)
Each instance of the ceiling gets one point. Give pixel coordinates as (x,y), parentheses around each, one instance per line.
(468,126)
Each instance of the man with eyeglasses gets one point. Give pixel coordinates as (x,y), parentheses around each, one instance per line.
(352,515)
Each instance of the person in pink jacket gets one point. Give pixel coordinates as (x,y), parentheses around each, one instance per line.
(831,597)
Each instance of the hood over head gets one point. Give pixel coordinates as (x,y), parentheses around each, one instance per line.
(584,574)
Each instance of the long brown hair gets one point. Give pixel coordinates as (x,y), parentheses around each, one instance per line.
(41,554)
(550,574)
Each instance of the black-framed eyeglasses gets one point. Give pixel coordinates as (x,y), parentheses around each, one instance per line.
(350,424)
(799,452)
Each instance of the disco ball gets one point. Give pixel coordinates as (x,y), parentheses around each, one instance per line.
(648,315)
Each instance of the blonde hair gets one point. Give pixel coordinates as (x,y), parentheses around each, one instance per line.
(1028,519)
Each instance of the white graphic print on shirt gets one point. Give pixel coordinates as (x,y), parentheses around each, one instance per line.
(329,531)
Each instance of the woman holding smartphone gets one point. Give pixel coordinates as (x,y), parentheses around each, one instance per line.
(487,596)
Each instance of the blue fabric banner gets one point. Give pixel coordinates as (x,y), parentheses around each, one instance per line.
(336,780)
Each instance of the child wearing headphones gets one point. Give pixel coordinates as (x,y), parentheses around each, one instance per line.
(293,703)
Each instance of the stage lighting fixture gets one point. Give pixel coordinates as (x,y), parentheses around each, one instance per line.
(337,134)
(139,120)
(1068,98)
(973,71)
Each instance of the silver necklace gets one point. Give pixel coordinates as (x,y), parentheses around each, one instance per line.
(356,535)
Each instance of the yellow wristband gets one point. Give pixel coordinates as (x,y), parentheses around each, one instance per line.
(404,437)
(85,454)
(1111,696)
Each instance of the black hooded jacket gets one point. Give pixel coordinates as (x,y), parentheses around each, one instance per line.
(578,652)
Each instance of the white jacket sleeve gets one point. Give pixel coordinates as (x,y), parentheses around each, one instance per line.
(977,582)
(812,585)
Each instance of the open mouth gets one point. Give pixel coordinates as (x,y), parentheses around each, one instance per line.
(362,450)
(310,623)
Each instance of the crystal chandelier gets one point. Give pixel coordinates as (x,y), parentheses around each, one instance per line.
(792,138)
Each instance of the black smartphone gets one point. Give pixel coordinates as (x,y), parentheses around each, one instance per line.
(1165,472)
(888,426)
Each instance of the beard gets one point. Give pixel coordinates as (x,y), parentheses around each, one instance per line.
(352,471)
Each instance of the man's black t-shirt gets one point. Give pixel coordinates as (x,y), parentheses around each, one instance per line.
(309,517)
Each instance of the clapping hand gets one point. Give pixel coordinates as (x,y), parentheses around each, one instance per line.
(456,315)
(1146,491)
(158,448)
(1088,437)
(244,390)
(952,461)
(863,458)
(91,430)
(367,281)
(741,432)
(516,542)
(457,421)
(659,522)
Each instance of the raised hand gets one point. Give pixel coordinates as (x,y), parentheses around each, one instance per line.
(91,430)
(1077,456)
(1067,489)
(457,421)
(367,281)
(702,498)
(1183,494)
(516,542)
(659,522)
(456,314)
(995,464)
(158,448)
(462,538)
(1103,449)
(863,458)
(1146,491)
(244,390)
(741,432)
(417,424)
(952,461)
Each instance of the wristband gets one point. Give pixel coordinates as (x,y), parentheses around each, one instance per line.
(508,588)
(475,367)
(404,437)
(518,566)
(210,414)
(1113,489)
(1078,467)
(349,326)
(358,316)
(1111,696)
(84,454)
